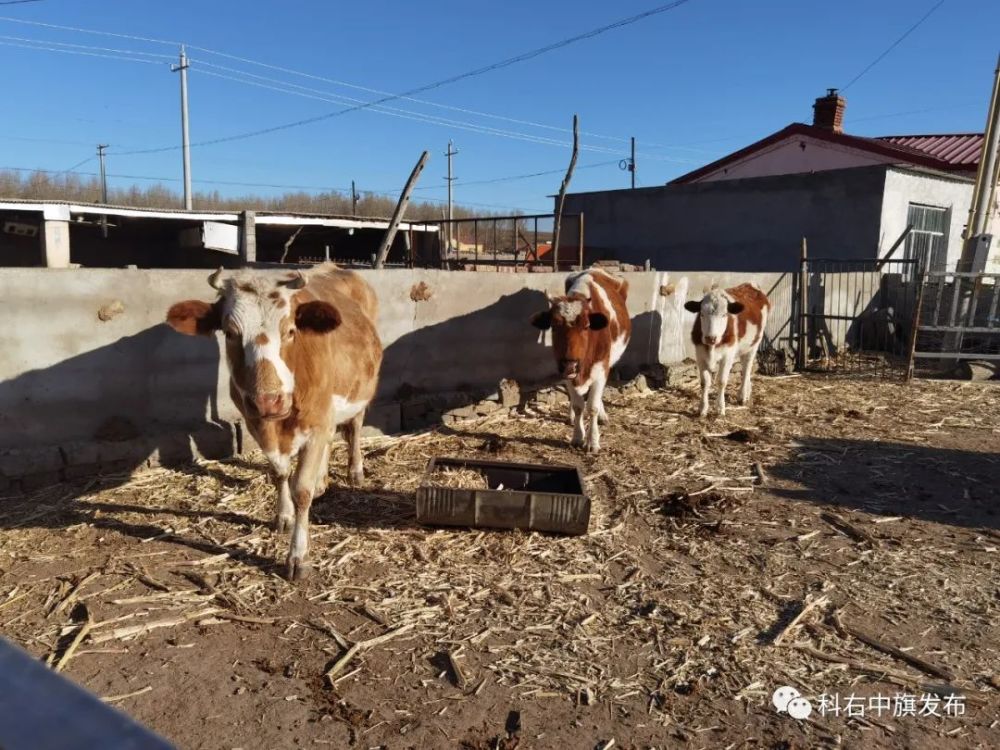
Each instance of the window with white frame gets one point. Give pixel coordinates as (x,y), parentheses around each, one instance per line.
(928,240)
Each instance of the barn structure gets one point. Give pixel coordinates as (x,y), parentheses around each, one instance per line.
(57,234)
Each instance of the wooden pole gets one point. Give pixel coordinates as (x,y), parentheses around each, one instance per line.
(562,194)
(803,303)
(397,215)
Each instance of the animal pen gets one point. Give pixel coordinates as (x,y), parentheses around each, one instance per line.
(512,243)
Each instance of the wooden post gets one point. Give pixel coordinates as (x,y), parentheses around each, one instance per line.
(397,215)
(248,238)
(562,194)
(803,303)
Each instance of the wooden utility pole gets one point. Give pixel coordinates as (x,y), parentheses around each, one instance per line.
(397,215)
(562,193)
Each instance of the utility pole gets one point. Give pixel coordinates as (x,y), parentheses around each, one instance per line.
(354,200)
(104,188)
(629,163)
(980,208)
(104,174)
(450,178)
(632,163)
(182,67)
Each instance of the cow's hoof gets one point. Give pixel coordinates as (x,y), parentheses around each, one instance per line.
(357,477)
(703,413)
(283,524)
(593,450)
(576,442)
(298,569)
(321,486)
(602,418)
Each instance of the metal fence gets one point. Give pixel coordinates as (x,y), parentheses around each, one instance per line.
(856,317)
(511,243)
(958,320)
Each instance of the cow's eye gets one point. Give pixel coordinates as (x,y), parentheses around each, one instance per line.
(290,333)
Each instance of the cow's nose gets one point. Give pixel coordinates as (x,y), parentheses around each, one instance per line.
(709,340)
(568,366)
(270,404)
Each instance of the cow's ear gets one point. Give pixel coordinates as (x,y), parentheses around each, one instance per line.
(597,321)
(735,308)
(194,317)
(317,316)
(692,306)
(542,320)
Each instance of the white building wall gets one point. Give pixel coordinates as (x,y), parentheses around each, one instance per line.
(903,187)
(789,157)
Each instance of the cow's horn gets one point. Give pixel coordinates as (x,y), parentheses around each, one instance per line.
(215,280)
(297,281)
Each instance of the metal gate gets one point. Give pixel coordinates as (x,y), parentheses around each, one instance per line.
(857,316)
(958,320)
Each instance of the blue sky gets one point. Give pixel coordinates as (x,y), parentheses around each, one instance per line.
(690,84)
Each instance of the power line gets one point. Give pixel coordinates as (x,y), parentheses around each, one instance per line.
(394,112)
(317,94)
(86,47)
(519,176)
(368,89)
(77,165)
(19,2)
(443,82)
(78,52)
(893,46)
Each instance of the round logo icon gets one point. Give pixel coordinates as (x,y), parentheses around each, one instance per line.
(799,708)
(783,696)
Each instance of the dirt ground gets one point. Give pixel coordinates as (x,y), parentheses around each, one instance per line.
(864,565)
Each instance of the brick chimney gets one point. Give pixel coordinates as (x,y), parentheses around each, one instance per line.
(828,111)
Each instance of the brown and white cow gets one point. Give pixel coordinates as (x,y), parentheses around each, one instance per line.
(590,330)
(730,324)
(303,357)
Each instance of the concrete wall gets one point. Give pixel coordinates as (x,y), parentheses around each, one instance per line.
(91,376)
(903,187)
(737,225)
(797,154)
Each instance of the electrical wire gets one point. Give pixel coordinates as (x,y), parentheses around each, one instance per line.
(88,47)
(78,52)
(436,84)
(893,46)
(388,95)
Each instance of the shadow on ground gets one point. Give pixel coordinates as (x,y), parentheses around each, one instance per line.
(942,485)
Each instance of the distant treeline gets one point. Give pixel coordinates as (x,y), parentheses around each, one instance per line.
(71,187)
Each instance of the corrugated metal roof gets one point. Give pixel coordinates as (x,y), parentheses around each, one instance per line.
(959,149)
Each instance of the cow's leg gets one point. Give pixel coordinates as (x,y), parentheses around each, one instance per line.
(304,487)
(724,368)
(595,406)
(746,362)
(577,404)
(355,460)
(705,375)
(602,415)
(323,473)
(284,513)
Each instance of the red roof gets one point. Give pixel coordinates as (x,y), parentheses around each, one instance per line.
(947,153)
(960,149)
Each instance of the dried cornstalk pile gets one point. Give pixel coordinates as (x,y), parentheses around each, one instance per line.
(464,478)
(718,561)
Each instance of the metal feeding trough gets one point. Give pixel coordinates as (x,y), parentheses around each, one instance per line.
(534,497)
